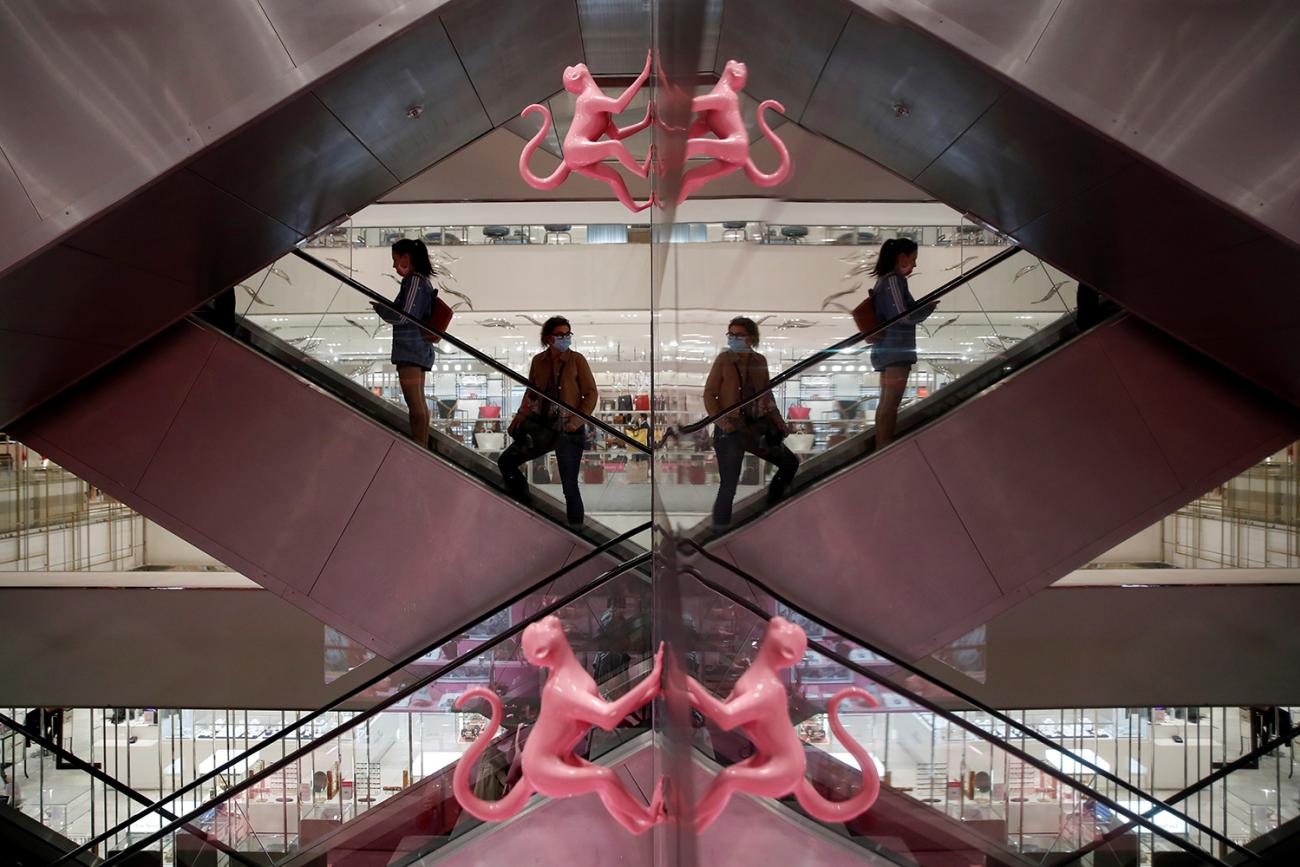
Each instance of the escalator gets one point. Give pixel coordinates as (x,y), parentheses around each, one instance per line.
(207,438)
(1114,154)
(1059,445)
(921,819)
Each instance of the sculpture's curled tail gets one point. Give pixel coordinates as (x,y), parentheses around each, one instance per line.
(555,178)
(783,170)
(841,811)
(516,798)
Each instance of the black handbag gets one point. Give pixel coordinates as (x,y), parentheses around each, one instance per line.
(537,432)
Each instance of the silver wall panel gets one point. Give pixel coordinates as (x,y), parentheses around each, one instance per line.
(92,91)
(299,165)
(310,27)
(374,95)
(710,34)
(1205,90)
(16,210)
(615,35)
(896,95)
(514,50)
(1018,160)
(784,45)
(1210,93)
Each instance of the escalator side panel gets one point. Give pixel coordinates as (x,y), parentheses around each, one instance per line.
(1037,476)
(1055,453)
(294,489)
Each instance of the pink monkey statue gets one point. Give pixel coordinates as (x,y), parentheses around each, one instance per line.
(583,148)
(718,112)
(571,705)
(760,707)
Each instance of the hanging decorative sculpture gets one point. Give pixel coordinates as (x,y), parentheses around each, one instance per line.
(571,705)
(718,112)
(758,706)
(717,132)
(584,150)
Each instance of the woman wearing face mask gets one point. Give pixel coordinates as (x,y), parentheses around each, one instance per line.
(562,374)
(738,374)
(895,353)
(412,354)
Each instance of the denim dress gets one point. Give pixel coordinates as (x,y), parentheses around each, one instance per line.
(897,346)
(415,299)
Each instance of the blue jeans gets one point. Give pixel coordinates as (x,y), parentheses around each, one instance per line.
(730,452)
(568,447)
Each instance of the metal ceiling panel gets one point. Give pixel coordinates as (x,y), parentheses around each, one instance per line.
(526,128)
(615,35)
(92,91)
(16,210)
(897,96)
(515,50)
(1018,161)
(411,104)
(784,45)
(1206,90)
(1213,96)
(309,27)
(187,230)
(711,31)
(299,165)
(1014,27)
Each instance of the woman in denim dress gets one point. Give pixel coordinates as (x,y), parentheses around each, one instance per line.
(895,353)
(412,354)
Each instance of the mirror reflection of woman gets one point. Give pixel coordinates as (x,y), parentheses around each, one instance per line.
(895,353)
(412,354)
(737,374)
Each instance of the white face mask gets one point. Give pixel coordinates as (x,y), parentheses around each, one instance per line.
(737,343)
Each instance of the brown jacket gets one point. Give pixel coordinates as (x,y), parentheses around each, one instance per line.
(730,371)
(576,385)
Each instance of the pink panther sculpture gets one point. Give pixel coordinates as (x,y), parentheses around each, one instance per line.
(571,705)
(759,706)
(583,148)
(718,112)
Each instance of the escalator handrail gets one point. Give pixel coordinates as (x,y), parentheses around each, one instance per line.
(947,714)
(112,782)
(1208,780)
(156,806)
(834,349)
(343,727)
(374,296)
